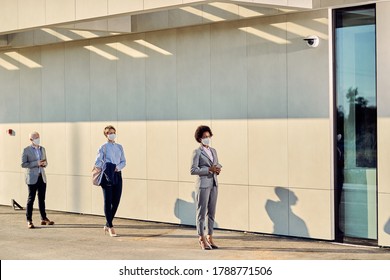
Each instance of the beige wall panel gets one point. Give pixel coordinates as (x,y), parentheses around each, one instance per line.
(131,78)
(309,158)
(152,4)
(383,99)
(228,72)
(383,154)
(8,20)
(97,206)
(10,81)
(267,150)
(10,147)
(162,196)
(30,84)
(232,207)
(11,187)
(53,79)
(55,192)
(193,73)
(162,150)
(268,210)
(121,6)
(384,219)
(103,81)
(79,160)
(91,8)
(26,17)
(60,11)
(231,142)
(308,98)
(54,141)
(134,200)
(79,194)
(186,146)
(310,213)
(77,82)
(267,63)
(161,96)
(132,136)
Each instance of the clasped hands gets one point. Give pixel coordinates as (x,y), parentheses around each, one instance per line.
(215,169)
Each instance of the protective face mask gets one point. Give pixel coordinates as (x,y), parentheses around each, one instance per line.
(36,141)
(111,137)
(206,141)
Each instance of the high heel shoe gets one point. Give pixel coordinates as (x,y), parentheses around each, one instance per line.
(110,231)
(203,245)
(211,242)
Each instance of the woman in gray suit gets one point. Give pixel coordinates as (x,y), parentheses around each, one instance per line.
(205,164)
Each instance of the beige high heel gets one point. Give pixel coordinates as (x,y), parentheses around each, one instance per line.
(110,231)
(203,244)
(211,242)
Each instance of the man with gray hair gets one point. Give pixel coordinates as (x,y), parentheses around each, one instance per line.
(34,160)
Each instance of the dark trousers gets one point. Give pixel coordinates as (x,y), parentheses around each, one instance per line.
(40,187)
(112,196)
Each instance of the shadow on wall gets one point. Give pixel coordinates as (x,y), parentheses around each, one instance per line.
(185,211)
(387,227)
(292,225)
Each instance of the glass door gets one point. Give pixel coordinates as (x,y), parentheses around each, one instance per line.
(356,123)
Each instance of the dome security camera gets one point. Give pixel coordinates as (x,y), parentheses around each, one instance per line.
(312,41)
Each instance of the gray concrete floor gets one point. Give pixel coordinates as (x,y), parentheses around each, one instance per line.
(81,237)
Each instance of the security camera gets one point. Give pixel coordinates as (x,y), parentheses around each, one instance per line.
(312,41)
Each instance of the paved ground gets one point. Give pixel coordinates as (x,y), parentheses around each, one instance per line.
(81,237)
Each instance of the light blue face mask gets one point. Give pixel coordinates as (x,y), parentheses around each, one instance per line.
(111,137)
(206,141)
(36,141)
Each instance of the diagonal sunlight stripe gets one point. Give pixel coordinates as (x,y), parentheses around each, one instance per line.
(152,47)
(101,53)
(265,35)
(56,34)
(23,60)
(85,34)
(202,13)
(300,30)
(127,50)
(245,12)
(9,66)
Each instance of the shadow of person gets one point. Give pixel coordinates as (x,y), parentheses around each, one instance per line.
(185,211)
(285,221)
(386,228)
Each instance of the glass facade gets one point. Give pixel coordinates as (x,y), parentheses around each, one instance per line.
(356,122)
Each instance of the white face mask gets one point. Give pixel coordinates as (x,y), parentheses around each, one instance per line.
(36,141)
(111,137)
(206,141)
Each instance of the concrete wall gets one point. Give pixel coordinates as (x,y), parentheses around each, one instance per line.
(252,81)
(383,85)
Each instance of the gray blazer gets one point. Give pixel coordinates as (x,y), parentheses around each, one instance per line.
(30,162)
(200,166)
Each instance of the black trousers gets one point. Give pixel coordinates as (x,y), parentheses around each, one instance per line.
(112,196)
(40,187)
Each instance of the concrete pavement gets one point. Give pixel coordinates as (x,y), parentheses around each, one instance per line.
(81,237)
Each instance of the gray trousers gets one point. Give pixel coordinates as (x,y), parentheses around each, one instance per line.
(206,199)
